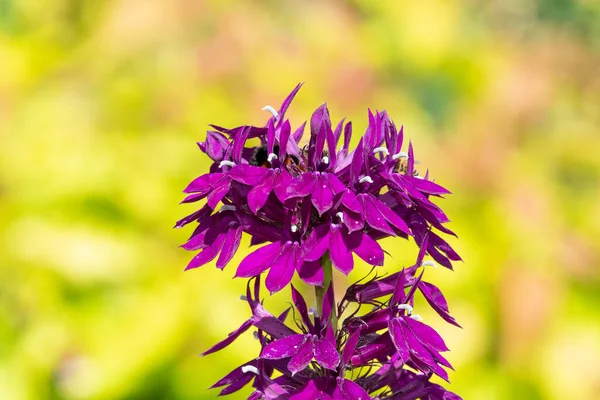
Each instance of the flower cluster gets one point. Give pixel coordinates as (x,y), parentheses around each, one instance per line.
(305,201)
(310,207)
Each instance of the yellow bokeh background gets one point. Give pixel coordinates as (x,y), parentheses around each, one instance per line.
(101,103)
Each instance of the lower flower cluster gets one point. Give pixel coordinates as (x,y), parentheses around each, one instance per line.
(386,353)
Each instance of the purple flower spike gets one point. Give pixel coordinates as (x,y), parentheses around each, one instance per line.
(308,206)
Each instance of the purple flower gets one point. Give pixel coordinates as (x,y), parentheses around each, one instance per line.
(302,203)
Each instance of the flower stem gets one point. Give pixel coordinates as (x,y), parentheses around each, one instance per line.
(321,290)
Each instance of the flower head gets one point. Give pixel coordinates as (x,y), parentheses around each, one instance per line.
(299,202)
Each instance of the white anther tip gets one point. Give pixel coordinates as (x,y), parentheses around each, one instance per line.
(340,216)
(227,207)
(428,263)
(243,297)
(381,150)
(271,110)
(365,179)
(417,317)
(294,228)
(399,155)
(406,307)
(226,163)
(325,160)
(250,368)
(272,157)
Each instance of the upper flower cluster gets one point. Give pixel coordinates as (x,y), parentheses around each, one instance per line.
(304,200)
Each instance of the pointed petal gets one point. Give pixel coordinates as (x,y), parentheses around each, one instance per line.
(392,217)
(248,174)
(257,197)
(230,338)
(258,261)
(437,301)
(284,347)
(317,243)
(353,221)
(350,346)
(218,193)
(288,100)
(372,215)
(341,255)
(353,391)
(300,304)
(282,270)
(281,181)
(426,334)
(328,304)
(207,255)
(284,136)
(322,196)
(397,337)
(365,247)
(230,246)
(302,186)
(326,354)
(311,273)
(302,358)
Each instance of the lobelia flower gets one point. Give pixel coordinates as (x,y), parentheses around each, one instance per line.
(311,208)
(302,203)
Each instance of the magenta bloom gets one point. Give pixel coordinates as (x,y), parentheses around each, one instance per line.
(303,202)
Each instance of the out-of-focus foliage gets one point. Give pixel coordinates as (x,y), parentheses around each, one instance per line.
(101,103)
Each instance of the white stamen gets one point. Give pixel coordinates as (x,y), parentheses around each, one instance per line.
(325,160)
(340,216)
(418,176)
(249,368)
(243,297)
(381,150)
(294,228)
(365,179)
(399,155)
(226,163)
(406,307)
(227,207)
(417,317)
(272,157)
(428,263)
(271,110)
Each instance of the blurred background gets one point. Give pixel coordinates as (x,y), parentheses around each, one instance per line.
(101,103)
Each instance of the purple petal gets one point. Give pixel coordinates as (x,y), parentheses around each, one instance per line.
(398,339)
(328,304)
(326,354)
(207,255)
(353,391)
(374,218)
(281,181)
(248,174)
(353,221)
(351,202)
(341,256)
(437,301)
(317,243)
(309,391)
(230,338)
(300,304)
(365,247)
(257,197)
(426,334)
(282,269)
(288,100)
(392,217)
(350,346)
(230,246)
(218,193)
(284,136)
(258,261)
(311,273)
(297,136)
(302,186)
(234,375)
(284,347)
(203,183)
(302,358)
(268,323)
(322,196)
(414,345)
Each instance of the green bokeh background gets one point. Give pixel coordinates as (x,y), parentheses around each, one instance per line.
(101,103)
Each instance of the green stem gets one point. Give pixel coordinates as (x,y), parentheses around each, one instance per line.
(321,290)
